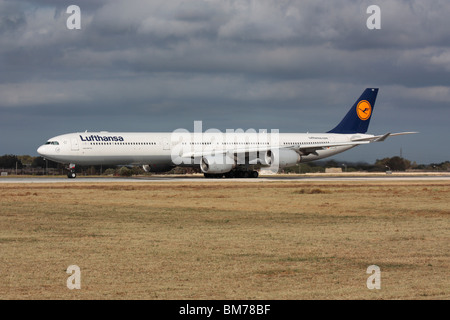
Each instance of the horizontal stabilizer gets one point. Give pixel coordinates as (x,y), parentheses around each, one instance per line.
(383,137)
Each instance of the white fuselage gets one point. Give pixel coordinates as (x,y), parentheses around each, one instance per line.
(133,148)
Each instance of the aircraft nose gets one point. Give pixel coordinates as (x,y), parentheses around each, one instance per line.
(41,150)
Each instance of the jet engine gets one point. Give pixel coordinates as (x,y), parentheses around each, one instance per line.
(286,158)
(220,163)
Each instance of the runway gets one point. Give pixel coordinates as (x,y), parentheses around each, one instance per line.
(197,178)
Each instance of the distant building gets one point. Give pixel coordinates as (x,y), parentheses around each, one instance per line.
(333,170)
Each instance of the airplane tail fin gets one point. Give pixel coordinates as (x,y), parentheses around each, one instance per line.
(358,118)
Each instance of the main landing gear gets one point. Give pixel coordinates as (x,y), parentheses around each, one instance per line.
(71,174)
(233,174)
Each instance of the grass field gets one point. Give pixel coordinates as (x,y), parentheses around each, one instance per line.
(225,240)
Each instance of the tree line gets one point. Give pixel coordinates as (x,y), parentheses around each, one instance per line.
(10,161)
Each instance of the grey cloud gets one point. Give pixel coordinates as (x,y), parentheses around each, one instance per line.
(12,17)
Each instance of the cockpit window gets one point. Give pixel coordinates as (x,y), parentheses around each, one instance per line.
(52,142)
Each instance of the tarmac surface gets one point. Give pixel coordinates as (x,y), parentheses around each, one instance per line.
(199,178)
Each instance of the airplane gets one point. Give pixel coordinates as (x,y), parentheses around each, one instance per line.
(217,154)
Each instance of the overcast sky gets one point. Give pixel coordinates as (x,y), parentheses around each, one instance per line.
(296,66)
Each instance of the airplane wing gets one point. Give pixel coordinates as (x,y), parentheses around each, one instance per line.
(303,149)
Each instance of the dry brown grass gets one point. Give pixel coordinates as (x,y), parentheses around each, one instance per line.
(225,240)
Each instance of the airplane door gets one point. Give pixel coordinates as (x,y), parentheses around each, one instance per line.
(166,144)
(75,144)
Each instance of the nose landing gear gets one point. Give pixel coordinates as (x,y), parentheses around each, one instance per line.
(71,174)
